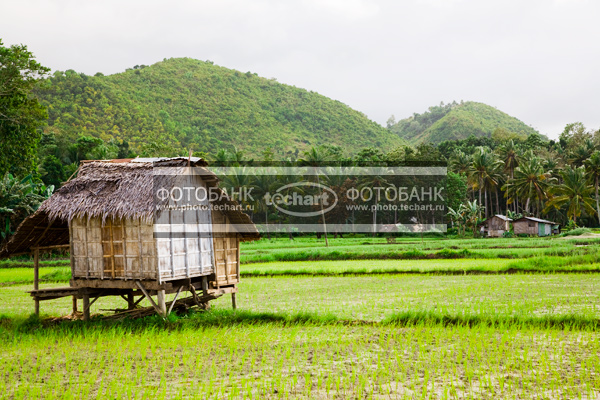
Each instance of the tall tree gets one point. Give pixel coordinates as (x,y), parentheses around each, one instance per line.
(460,162)
(592,169)
(315,158)
(530,183)
(484,174)
(574,193)
(21,115)
(509,154)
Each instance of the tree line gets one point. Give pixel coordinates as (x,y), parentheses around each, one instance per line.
(504,173)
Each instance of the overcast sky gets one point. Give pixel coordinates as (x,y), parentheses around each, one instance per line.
(537,60)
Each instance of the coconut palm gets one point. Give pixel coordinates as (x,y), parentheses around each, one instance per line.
(315,158)
(509,154)
(574,193)
(592,169)
(484,173)
(460,162)
(530,183)
(222,157)
(579,154)
(379,178)
(263,183)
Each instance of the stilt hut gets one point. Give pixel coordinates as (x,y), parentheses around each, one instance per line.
(126,239)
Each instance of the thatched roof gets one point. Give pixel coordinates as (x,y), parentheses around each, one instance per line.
(111,189)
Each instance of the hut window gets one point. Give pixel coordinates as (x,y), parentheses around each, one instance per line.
(113,242)
(531,224)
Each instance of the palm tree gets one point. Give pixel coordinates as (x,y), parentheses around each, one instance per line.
(592,167)
(509,154)
(460,162)
(579,154)
(530,183)
(378,179)
(574,193)
(236,179)
(484,173)
(315,158)
(263,183)
(222,157)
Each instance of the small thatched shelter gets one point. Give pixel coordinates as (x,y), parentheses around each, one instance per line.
(126,240)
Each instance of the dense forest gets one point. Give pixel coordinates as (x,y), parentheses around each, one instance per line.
(455,121)
(49,123)
(180,104)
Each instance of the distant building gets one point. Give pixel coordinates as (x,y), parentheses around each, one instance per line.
(535,227)
(496,226)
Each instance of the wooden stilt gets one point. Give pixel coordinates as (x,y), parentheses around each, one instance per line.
(36,277)
(130,301)
(204,286)
(86,307)
(156,306)
(233,302)
(74,304)
(160,299)
(174,300)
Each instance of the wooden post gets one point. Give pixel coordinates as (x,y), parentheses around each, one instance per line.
(237,263)
(86,307)
(204,286)
(160,297)
(130,301)
(36,277)
(233,302)
(74,304)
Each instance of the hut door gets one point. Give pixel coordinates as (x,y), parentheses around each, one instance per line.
(112,249)
(540,229)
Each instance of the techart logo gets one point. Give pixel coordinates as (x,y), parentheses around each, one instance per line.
(310,197)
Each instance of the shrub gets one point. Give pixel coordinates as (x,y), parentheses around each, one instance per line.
(576,232)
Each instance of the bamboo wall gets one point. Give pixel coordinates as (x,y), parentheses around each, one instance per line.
(227,250)
(180,245)
(121,249)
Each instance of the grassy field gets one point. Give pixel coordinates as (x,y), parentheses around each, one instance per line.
(302,361)
(483,326)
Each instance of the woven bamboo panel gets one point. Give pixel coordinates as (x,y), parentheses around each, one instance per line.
(225,243)
(183,240)
(117,249)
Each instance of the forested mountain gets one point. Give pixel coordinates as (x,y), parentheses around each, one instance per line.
(184,103)
(456,121)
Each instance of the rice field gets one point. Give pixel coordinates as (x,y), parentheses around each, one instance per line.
(438,328)
(306,362)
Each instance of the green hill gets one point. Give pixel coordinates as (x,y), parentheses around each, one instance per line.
(186,103)
(456,121)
